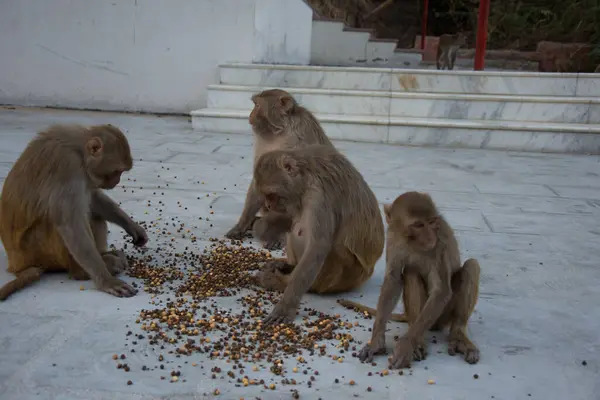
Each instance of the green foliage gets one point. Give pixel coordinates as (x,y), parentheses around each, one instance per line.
(521,24)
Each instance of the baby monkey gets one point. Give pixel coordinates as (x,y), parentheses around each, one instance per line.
(423,264)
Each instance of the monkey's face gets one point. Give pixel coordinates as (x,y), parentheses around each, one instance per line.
(106,160)
(278,180)
(270,111)
(423,233)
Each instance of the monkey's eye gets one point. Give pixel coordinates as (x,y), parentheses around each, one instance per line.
(419,225)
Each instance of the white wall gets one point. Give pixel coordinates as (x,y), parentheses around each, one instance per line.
(139,55)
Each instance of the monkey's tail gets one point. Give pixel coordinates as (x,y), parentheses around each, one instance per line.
(362,308)
(23,279)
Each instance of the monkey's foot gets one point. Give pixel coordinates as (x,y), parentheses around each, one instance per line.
(117,288)
(403,354)
(371,350)
(464,347)
(280,315)
(116,261)
(420,351)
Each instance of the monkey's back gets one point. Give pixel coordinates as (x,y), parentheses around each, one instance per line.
(356,209)
(26,227)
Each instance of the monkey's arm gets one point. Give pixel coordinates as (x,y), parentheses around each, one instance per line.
(251,206)
(388,299)
(104,207)
(271,229)
(320,236)
(77,236)
(440,292)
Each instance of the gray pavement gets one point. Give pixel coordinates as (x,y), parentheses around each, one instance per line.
(531,219)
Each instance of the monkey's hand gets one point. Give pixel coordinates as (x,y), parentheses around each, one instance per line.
(403,353)
(117,288)
(274,244)
(138,234)
(281,314)
(377,346)
(236,233)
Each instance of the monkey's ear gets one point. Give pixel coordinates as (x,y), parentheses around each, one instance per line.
(387,210)
(290,166)
(286,103)
(94,146)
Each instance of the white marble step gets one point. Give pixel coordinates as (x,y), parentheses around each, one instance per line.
(517,83)
(422,105)
(501,135)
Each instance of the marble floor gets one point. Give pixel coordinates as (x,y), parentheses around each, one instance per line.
(531,219)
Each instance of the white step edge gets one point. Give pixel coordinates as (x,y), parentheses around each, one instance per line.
(414,71)
(411,95)
(421,122)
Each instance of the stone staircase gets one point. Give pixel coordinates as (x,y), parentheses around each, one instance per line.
(521,111)
(333,43)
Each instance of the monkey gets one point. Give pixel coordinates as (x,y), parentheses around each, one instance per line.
(335,233)
(423,264)
(278,122)
(54,213)
(448,48)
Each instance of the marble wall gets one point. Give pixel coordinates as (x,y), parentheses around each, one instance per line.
(144,55)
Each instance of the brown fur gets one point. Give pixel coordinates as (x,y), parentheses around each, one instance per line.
(278,122)
(423,264)
(448,48)
(336,234)
(53,213)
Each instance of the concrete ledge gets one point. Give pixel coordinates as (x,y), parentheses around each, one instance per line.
(517,83)
(554,109)
(504,135)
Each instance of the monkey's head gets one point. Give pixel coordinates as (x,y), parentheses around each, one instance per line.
(271,111)
(279,181)
(106,156)
(414,217)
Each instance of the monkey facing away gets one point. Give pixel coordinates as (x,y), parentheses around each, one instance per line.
(278,122)
(54,214)
(448,48)
(423,264)
(335,231)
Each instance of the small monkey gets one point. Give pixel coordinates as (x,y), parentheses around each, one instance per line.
(54,214)
(335,231)
(423,264)
(278,122)
(448,48)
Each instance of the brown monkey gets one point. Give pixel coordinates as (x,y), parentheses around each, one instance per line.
(53,213)
(278,122)
(448,48)
(335,232)
(422,258)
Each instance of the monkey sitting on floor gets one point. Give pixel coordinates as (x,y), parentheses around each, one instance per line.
(335,231)
(54,214)
(423,264)
(278,122)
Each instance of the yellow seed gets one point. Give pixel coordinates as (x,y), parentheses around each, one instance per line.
(295,369)
(174,379)
(81,288)
(431,382)
(272,386)
(352,383)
